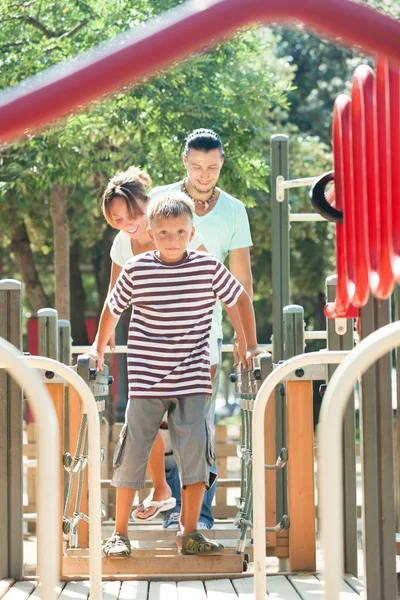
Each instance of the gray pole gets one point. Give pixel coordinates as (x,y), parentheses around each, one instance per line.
(377,464)
(11,419)
(280,289)
(341,337)
(48,333)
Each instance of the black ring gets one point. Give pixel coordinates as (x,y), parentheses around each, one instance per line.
(319,201)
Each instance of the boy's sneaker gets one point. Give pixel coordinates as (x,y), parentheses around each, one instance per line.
(117,545)
(172,521)
(196,543)
(201,525)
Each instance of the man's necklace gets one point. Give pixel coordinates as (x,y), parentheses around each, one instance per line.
(205,204)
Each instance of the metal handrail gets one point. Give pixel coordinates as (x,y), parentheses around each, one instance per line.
(48,518)
(94,485)
(334,403)
(177,33)
(260,404)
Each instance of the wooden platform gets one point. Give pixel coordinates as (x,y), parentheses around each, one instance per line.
(280,587)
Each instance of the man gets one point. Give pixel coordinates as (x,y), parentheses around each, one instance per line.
(223,224)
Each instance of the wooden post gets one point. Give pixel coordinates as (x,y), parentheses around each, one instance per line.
(11,419)
(300,445)
(221,437)
(301,500)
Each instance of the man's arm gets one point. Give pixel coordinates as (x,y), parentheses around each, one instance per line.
(240,267)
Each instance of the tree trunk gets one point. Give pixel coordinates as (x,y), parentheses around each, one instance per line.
(78,298)
(59,203)
(21,248)
(102,266)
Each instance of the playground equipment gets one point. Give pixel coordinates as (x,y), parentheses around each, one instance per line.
(188,29)
(366,173)
(48,470)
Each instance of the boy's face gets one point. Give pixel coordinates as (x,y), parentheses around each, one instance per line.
(171,237)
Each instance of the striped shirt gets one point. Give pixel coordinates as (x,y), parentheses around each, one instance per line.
(168,353)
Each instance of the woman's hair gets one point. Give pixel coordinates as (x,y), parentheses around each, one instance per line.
(131,185)
(170,205)
(203,140)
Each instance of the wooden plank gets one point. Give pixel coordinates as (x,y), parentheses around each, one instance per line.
(191,590)
(111,590)
(37,592)
(149,565)
(78,590)
(162,590)
(311,587)
(134,590)
(244,588)
(354,583)
(220,438)
(20,590)
(279,588)
(301,500)
(5,585)
(220,589)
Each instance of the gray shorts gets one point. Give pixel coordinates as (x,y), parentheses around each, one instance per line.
(191,433)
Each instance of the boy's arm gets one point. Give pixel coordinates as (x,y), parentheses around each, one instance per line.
(243,321)
(106,327)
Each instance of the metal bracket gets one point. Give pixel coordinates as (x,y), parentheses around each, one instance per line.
(308,373)
(340,326)
(283,184)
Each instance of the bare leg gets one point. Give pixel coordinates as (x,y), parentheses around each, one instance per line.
(156,468)
(192,499)
(125,498)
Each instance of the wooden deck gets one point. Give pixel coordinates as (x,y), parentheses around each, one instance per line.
(280,587)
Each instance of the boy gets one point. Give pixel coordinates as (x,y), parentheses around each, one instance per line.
(173,292)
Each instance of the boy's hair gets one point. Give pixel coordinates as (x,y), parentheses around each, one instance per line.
(170,205)
(131,185)
(203,140)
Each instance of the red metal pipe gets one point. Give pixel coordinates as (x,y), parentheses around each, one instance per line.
(382,107)
(180,32)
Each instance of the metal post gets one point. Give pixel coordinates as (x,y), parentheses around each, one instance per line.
(293,331)
(11,419)
(64,342)
(280,285)
(341,337)
(376,420)
(48,333)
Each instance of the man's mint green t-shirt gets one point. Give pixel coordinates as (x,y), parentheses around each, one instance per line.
(224,228)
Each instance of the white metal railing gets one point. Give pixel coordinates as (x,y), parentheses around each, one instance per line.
(260,404)
(308,335)
(48,517)
(334,403)
(94,485)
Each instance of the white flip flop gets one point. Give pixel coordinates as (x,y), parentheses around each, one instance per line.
(161,506)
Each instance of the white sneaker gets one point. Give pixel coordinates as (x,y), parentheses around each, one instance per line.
(201,525)
(172,521)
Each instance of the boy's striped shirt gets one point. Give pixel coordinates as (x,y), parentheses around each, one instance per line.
(170,325)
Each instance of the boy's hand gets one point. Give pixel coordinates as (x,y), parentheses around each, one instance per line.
(241,354)
(98,357)
(245,355)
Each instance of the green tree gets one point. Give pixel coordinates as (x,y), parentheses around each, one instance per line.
(51,182)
